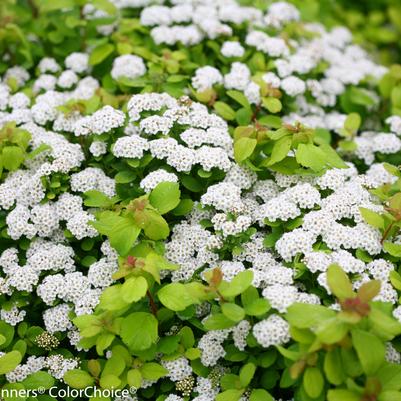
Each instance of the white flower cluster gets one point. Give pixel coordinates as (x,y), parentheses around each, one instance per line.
(204,141)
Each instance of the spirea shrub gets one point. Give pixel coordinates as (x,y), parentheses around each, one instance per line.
(202,201)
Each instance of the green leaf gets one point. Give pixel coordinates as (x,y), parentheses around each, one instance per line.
(122,231)
(339,282)
(184,207)
(105,5)
(192,353)
(134,289)
(224,110)
(305,316)
(352,122)
(392,249)
(272,104)
(111,298)
(9,361)
(187,337)
(124,177)
(95,198)
(309,155)
(246,374)
(258,307)
(372,218)
(233,311)
(313,382)
(395,279)
(390,377)
(103,341)
(280,150)
(153,371)
(218,322)
(364,343)
(237,285)
(389,396)
(342,395)
(331,331)
(100,53)
(333,368)
(38,379)
(139,331)
(156,227)
(331,156)
(175,296)
(134,378)
(109,381)
(11,389)
(77,378)
(259,394)
(12,157)
(229,395)
(243,148)
(239,97)
(114,366)
(165,197)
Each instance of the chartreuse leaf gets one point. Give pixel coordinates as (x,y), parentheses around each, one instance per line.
(258,307)
(153,371)
(333,367)
(272,104)
(176,297)
(115,365)
(233,311)
(395,279)
(224,110)
(392,249)
(218,322)
(9,361)
(280,150)
(237,285)
(9,389)
(156,227)
(139,331)
(389,396)
(389,376)
(39,379)
(342,395)
(331,331)
(95,198)
(339,282)
(246,374)
(313,382)
(311,156)
(134,289)
(165,196)
(243,148)
(352,122)
(100,52)
(365,343)
(307,315)
(259,394)
(111,298)
(77,378)
(230,395)
(109,381)
(239,97)
(103,341)
(134,378)
(372,218)
(122,231)
(12,157)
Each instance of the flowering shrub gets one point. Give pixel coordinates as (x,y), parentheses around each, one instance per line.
(199,200)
